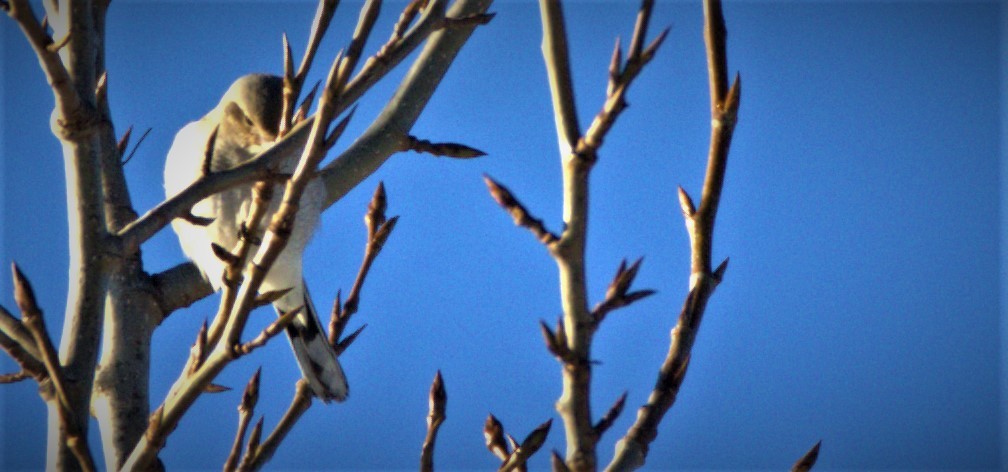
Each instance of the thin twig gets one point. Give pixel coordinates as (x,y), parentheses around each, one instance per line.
(438,401)
(14,377)
(518,212)
(293,82)
(300,402)
(521,454)
(31,315)
(632,449)
(67,99)
(379,229)
(21,339)
(245,411)
(135,146)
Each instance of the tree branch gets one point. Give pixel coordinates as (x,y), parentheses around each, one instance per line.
(386,134)
(632,449)
(300,402)
(76,439)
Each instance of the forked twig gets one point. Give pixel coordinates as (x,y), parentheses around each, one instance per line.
(379,229)
(632,449)
(262,453)
(245,411)
(571,341)
(513,456)
(31,316)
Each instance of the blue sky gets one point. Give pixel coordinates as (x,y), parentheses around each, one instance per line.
(860,212)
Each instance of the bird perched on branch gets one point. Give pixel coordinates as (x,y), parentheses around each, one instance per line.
(247,121)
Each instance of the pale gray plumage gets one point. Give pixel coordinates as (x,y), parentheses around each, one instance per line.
(248,117)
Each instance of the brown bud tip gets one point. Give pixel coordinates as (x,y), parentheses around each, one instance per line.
(499,192)
(438,396)
(223,254)
(808,460)
(616,61)
(493,433)
(720,270)
(686,203)
(288,60)
(253,441)
(251,394)
(342,346)
(24,295)
(216,388)
(271,296)
(734,93)
(124,141)
(558,462)
(537,437)
(653,47)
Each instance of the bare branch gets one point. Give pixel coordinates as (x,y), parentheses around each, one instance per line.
(252,447)
(198,352)
(135,146)
(293,82)
(379,229)
(519,214)
(15,377)
(383,137)
(300,403)
(633,447)
(67,99)
(15,330)
(274,328)
(33,321)
(245,411)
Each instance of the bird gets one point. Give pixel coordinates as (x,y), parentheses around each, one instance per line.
(247,120)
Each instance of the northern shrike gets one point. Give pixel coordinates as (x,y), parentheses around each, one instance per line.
(248,118)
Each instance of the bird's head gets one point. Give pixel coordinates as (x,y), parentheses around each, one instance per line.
(252,107)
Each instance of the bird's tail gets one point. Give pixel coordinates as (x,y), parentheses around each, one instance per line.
(315,355)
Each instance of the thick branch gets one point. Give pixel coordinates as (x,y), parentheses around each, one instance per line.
(386,134)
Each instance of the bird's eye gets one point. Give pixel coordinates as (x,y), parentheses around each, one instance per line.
(248,121)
